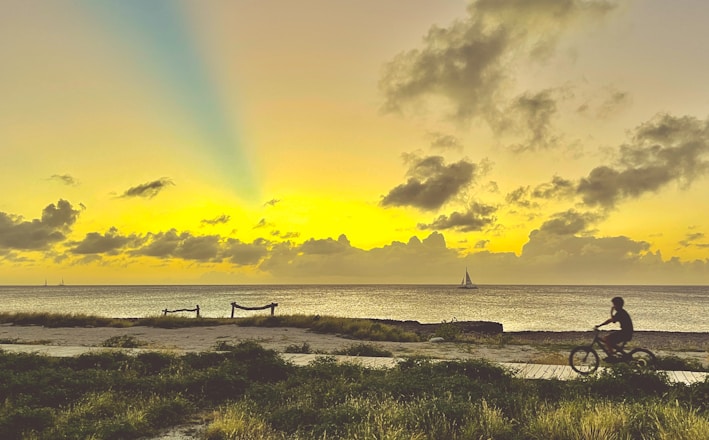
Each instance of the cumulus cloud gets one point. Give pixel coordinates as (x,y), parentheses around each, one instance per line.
(331,260)
(431,183)
(468,62)
(96,243)
(664,150)
(245,254)
(185,245)
(56,221)
(148,190)
(476,218)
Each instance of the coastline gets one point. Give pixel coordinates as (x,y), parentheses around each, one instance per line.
(526,346)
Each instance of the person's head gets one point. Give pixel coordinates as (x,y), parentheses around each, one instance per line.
(618,302)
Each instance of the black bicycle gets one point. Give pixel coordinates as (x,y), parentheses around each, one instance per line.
(584,359)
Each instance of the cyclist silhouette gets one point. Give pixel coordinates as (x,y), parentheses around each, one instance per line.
(621,316)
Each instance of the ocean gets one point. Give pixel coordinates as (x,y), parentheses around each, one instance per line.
(516,307)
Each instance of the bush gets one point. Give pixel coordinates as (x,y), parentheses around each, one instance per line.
(363,350)
(123,341)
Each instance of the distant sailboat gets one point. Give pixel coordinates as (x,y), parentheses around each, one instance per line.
(467,283)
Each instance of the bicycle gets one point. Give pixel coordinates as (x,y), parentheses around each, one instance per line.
(584,359)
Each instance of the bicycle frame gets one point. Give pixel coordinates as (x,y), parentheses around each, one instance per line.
(584,359)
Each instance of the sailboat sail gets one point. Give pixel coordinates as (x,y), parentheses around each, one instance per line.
(467,283)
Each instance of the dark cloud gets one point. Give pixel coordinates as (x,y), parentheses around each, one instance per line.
(570,222)
(95,243)
(440,141)
(520,197)
(204,248)
(245,254)
(558,188)
(431,183)
(694,239)
(172,244)
(530,115)
(272,202)
(665,150)
(476,218)
(468,62)
(162,244)
(222,219)
(37,234)
(65,179)
(148,190)
(261,224)
(326,247)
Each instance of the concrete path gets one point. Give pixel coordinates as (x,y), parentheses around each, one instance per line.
(521,370)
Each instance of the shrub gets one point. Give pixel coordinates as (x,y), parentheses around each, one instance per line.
(363,350)
(295,348)
(123,341)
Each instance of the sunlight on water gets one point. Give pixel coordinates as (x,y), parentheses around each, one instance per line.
(554,308)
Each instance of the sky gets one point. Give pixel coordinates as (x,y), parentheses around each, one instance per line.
(321,141)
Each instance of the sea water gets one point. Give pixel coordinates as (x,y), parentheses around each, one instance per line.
(517,308)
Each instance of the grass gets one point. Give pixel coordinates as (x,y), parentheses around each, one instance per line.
(364,329)
(250,392)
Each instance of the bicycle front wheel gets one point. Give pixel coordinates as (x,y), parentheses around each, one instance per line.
(584,360)
(643,359)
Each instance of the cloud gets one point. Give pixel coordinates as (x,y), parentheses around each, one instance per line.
(95,243)
(520,197)
(148,190)
(570,222)
(245,254)
(530,114)
(222,219)
(65,179)
(558,188)
(469,62)
(440,141)
(612,101)
(696,239)
(664,150)
(476,218)
(331,260)
(37,234)
(431,183)
(272,202)
(172,244)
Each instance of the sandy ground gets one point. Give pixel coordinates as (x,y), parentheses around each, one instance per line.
(535,347)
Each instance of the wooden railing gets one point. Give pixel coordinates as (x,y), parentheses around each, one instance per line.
(271,306)
(196,309)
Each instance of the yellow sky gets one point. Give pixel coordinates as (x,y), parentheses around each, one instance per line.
(355,142)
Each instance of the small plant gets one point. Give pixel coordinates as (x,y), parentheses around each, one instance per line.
(364,350)
(676,363)
(123,341)
(295,348)
(448,330)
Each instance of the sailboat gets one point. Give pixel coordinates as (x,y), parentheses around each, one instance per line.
(467,283)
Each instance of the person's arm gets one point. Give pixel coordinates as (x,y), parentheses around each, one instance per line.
(609,320)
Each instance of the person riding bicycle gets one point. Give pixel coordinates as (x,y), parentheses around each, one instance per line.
(625,334)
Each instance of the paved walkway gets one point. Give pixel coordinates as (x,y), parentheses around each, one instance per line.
(525,371)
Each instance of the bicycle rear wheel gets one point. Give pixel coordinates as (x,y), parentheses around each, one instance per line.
(643,359)
(584,360)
